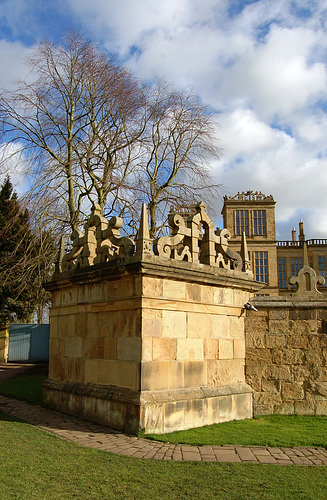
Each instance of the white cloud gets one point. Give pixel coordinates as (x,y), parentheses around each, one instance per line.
(12,59)
(263,68)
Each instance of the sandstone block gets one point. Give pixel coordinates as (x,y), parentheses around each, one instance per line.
(73,347)
(211,349)
(225,372)
(305,327)
(256,323)
(189,350)
(155,375)
(207,293)
(92,325)
(272,386)
(76,370)
(110,348)
(81,325)
(66,326)
(164,349)
(129,348)
(69,297)
(93,347)
(279,326)
(303,314)
(195,374)
(147,349)
(278,314)
(239,348)
(285,408)
(220,327)
(176,374)
(198,325)
(301,373)
(240,297)
(129,374)
(226,349)
(107,372)
(316,390)
(275,340)
(255,339)
(258,356)
(313,357)
(267,399)
(275,372)
(278,356)
(294,357)
(91,371)
(175,290)
(223,296)
(127,323)
(174,324)
(151,323)
(152,287)
(321,408)
(193,292)
(292,390)
(304,407)
(254,375)
(236,327)
(58,368)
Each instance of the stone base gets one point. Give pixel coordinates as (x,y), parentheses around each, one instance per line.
(152,411)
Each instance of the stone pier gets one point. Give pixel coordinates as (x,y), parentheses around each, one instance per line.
(150,339)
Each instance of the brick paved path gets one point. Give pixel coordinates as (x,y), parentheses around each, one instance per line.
(102,438)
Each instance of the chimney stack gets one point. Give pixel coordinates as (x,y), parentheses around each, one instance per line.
(301,233)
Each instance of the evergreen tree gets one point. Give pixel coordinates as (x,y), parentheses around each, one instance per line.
(23,260)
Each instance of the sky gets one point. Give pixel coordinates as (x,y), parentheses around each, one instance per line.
(260,64)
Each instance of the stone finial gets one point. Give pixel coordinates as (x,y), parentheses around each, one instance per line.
(245,255)
(143,240)
(306,280)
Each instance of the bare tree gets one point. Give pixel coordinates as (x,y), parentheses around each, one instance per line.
(76,120)
(179,144)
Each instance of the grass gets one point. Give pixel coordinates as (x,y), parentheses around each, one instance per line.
(36,464)
(271,430)
(27,387)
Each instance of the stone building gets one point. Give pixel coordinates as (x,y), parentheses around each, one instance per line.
(273,262)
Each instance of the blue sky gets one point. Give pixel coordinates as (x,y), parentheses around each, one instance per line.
(261,64)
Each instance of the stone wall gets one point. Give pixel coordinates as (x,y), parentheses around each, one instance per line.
(4,342)
(286,356)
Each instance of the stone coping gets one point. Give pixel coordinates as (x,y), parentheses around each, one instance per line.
(155,266)
(289,302)
(113,393)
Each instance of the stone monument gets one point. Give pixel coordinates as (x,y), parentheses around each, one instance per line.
(150,335)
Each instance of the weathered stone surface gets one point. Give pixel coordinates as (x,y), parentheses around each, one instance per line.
(256,339)
(274,341)
(189,350)
(174,324)
(304,407)
(225,371)
(258,356)
(226,349)
(220,327)
(198,325)
(292,391)
(286,358)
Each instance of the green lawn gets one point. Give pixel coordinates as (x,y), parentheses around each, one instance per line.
(27,387)
(36,464)
(271,430)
